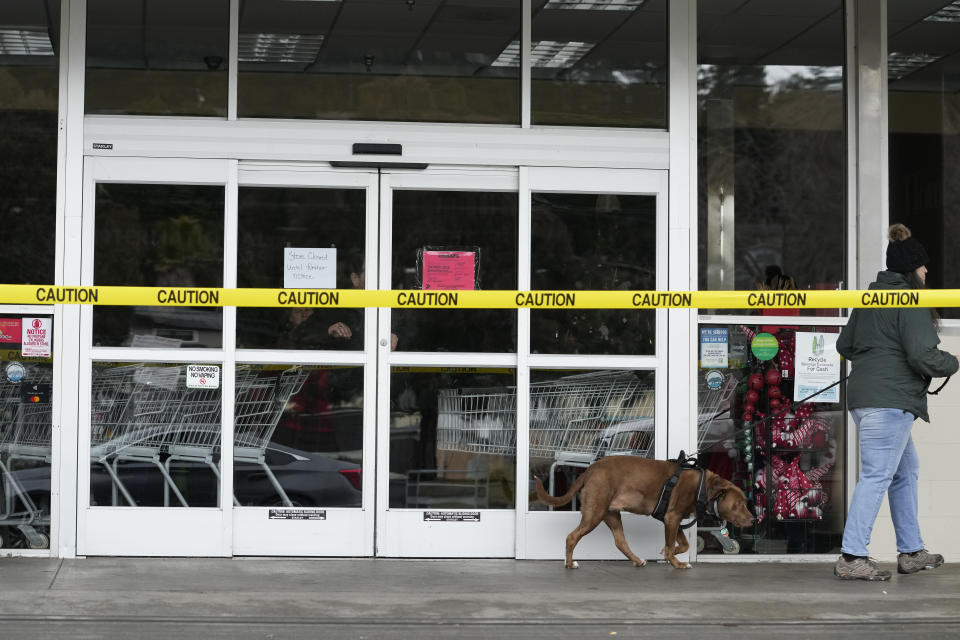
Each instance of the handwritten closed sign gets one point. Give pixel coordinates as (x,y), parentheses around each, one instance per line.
(309,268)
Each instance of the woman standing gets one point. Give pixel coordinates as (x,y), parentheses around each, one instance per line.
(895,355)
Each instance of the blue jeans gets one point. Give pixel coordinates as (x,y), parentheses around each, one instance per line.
(888,464)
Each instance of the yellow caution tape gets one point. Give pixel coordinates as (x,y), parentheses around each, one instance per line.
(16,354)
(453,370)
(417,299)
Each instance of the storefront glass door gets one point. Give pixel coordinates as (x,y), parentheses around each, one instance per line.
(405,431)
(446,229)
(150,441)
(305,377)
(595,381)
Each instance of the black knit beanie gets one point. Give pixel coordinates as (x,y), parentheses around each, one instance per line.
(904,253)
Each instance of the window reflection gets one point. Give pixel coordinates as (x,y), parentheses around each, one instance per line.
(29,57)
(155,437)
(599,63)
(423,61)
(298,436)
(593,242)
(144,58)
(26,423)
(482,226)
(154,440)
(452,438)
(924,132)
(772,159)
(158,236)
(274,219)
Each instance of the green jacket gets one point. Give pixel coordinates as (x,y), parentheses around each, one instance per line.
(895,354)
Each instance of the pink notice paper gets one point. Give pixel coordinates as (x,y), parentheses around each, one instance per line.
(449,270)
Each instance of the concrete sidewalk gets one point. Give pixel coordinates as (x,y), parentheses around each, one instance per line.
(383,598)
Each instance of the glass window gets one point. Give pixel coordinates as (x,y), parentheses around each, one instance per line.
(303,428)
(157,57)
(418,60)
(480,227)
(924,131)
(158,235)
(593,241)
(329,223)
(154,441)
(578,417)
(771,145)
(26,422)
(29,48)
(452,438)
(599,63)
(786,452)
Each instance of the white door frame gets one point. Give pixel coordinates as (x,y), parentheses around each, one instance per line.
(344,531)
(403,532)
(150,531)
(541,534)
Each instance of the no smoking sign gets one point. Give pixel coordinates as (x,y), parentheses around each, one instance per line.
(203,376)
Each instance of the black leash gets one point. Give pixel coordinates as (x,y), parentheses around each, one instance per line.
(799,402)
(938,389)
(816,393)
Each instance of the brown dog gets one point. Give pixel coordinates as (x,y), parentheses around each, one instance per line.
(627,483)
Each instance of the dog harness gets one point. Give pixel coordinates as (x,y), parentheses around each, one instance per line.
(704,506)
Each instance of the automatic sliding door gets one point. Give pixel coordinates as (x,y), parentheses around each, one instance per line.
(149,442)
(447,393)
(596,377)
(303,454)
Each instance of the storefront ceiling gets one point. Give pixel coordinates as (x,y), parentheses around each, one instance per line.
(926,53)
(33,19)
(933,46)
(759,32)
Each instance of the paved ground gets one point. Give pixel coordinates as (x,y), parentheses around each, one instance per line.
(464,599)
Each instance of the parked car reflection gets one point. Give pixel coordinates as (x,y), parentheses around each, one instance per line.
(308,480)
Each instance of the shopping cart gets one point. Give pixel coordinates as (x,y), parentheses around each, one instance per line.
(478,420)
(261,398)
(574,420)
(578,419)
(26,420)
(143,413)
(712,404)
(136,421)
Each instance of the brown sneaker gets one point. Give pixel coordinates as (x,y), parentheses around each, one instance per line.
(918,561)
(859,569)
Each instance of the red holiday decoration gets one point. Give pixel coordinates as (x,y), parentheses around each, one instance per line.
(798,494)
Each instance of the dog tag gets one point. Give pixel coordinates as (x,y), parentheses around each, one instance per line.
(724,532)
